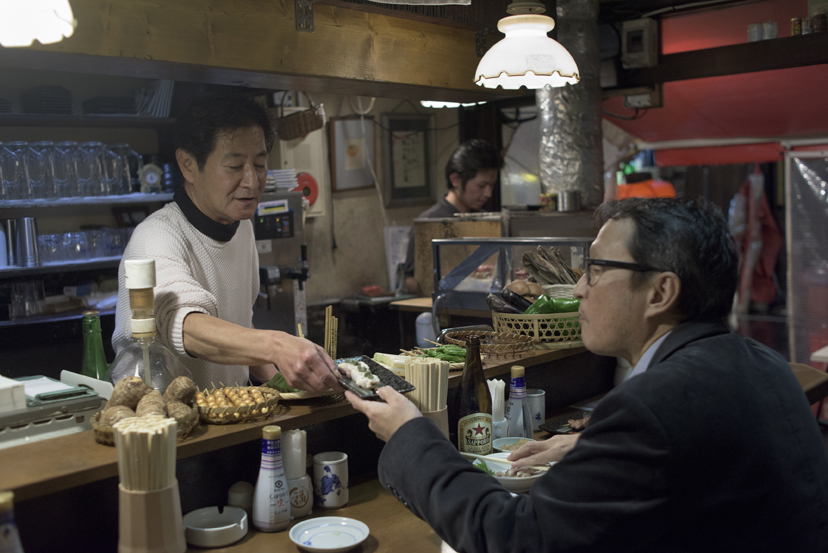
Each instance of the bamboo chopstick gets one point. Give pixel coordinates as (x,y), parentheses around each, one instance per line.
(299,326)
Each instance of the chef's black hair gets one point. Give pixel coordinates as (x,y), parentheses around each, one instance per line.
(469,158)
(689,238)
(214,114)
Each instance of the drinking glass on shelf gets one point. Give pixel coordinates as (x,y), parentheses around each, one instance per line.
(95,238)
(15,179)
(28,298)
(40,164)
(132,163)
(75,246)
(49,247)
(91,170)
(66,169)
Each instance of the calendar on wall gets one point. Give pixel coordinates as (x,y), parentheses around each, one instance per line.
(408,143)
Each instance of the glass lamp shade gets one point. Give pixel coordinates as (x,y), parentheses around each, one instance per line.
(24,21)
(526,56)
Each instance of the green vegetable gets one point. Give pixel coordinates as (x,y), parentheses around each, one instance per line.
(450,353)
(479,463)
(545,305)
(279,383)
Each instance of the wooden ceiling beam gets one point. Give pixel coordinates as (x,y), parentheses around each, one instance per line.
(255,43)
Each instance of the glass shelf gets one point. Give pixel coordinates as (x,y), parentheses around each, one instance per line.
(124,199)
(63,266)
(54,317)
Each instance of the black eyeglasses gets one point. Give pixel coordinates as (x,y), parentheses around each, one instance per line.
(592,278)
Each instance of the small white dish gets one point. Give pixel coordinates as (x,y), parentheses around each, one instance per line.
(498,443)
(208,528)
(513,484)
(329,534)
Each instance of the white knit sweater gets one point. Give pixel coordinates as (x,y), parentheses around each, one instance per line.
(194,273)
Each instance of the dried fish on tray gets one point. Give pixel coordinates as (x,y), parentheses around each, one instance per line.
(386,378)
(548,267)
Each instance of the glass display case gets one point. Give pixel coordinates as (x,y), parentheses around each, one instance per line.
(466,270)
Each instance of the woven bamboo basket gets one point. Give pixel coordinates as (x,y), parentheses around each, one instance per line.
(244,413)
(555,327)
(300,123)
(106,435)
(493,344)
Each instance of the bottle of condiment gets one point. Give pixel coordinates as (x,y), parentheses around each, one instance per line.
(474,404)
(9,538)
(518,417)
(145,356)
(271,499)
(94,359)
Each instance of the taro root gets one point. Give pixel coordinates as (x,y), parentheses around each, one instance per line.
(177,410)
(152,404)
(128,392)
(182,389)
(111,415)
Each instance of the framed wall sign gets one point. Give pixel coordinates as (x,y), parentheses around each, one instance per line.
(409,149)
(352,152)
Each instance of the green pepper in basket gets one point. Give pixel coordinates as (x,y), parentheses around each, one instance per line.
(545,305)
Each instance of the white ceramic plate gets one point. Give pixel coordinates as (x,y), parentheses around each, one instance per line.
(329,534)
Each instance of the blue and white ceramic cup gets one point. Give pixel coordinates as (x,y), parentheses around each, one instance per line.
(330,479)
(537,406)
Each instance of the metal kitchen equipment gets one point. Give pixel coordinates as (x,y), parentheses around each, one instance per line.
(466,270)
(49,414)
(283,267)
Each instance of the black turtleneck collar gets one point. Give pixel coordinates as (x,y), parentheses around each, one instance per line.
(201,222)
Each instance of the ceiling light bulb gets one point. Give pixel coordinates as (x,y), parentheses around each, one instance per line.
(526,56)
(24,21)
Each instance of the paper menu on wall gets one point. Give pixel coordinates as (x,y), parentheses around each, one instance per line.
(396,248)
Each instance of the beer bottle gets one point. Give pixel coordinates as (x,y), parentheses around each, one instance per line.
(9,538)
(94,359)
(474,404)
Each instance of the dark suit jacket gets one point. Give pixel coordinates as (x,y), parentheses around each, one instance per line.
(714,448)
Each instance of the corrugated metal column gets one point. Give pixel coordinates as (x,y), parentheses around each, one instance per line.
(571,153)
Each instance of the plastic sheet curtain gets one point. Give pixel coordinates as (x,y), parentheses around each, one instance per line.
(806,175)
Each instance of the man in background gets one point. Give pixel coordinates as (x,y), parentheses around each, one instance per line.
(471,175)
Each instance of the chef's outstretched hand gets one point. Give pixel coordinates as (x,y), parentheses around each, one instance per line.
(387,416)
(543,452)
(305,365)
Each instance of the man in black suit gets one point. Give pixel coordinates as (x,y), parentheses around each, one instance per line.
(710,446)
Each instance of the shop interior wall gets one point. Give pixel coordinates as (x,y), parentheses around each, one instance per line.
(346,246)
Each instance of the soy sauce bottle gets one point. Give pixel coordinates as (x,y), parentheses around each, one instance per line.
(474,405)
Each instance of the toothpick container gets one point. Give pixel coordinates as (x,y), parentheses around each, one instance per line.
(150,522)
(440,418)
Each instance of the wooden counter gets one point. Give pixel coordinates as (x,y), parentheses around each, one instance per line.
(392,526)
(56,464)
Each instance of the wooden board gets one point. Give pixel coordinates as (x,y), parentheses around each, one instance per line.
(243,42)
(427,230)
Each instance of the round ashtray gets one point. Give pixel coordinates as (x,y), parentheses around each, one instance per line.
(508,444)
(208,527)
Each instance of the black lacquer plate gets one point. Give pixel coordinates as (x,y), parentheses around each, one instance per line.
(387,378)
(560,425)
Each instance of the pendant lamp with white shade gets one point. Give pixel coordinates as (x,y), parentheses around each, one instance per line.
(24,21)
(526,56)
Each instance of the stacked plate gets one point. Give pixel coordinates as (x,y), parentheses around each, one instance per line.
(154,99)
(5,106)
(281,179)
(50,100)
(110,105)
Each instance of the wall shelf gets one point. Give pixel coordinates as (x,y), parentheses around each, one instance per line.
(89,120)
(55,317)
(123,199)
(61,267)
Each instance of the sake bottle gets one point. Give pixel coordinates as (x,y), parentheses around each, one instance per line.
(518,416)
(94,359)
(474,404)
(271,498)
(9,538)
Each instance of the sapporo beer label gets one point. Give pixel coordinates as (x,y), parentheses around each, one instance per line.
(474,433)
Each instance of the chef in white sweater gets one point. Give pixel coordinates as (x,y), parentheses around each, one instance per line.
(205,256)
